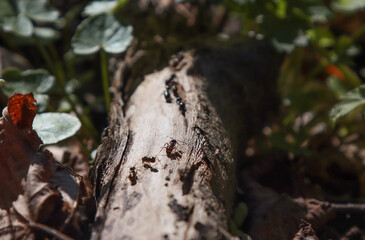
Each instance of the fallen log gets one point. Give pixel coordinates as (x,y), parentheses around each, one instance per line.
(164,169)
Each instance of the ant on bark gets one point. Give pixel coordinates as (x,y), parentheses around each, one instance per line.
(146,163)
(181,104)
(148,159)
(171,151)
(170,147)
(147,166)
(133,176)
(167,96)
(169,82)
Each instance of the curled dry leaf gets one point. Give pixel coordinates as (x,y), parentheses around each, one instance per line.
(17,147)
(305,232)
(37,192)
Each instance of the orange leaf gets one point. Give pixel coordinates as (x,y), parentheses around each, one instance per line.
(334,71)
(22,109)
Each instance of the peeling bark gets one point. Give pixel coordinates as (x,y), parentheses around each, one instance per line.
(187,193)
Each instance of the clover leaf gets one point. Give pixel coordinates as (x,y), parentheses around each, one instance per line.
(16,16)
(349,101)
(55,127)
(99,7)
(101,32)
(38,81)
(348,6)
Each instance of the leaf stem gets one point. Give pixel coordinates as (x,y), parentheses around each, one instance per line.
(60,77)
(105,78)
(59,71)
(46,56)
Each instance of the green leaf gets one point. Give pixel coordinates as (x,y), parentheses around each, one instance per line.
(101,32)
(42,101)
(46,33)
(16,16)
(99,7)
(240,214)
(2,82)
(38,81)
(319,14)
(348,6)
(55,127)
(20,25)
(349,102)
(282,44)
(336,86)
(40,10)
(322,37)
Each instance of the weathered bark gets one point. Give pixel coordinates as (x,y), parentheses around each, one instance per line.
(191,195)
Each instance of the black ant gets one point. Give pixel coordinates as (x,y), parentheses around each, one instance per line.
(181,104)
(147,166)
(167,96)
(169,80)
(174,89)
(170,147)
(148,159)
(133,176)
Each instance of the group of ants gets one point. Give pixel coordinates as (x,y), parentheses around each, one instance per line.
(170,85)
(170,147)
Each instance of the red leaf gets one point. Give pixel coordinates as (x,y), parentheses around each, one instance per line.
(334,71)
(22,109)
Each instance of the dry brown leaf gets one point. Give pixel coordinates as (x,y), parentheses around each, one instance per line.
(305,232)
(40,197)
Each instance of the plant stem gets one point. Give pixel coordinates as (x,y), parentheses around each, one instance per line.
(59,71)
(105,78)
(46,56)
(60,77)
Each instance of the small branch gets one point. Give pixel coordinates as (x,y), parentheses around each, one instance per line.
(349,207)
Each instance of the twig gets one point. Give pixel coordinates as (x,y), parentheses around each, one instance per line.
(348,207)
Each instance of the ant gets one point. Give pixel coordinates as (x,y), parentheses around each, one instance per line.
(169,150)
(168,83)
(181,104)
(170,147)
(133,176)
(174,89)
(170,80)
(167,96)
(148,159)
(147,166)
